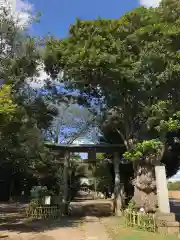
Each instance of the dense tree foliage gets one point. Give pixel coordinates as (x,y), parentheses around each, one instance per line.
(28,116)
(24,114)
(126,74)
(132,65)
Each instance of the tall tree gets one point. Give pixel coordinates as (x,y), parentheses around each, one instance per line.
(132,63)
(24,114)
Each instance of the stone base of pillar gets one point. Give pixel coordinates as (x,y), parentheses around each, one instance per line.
(118,213)
(166,223)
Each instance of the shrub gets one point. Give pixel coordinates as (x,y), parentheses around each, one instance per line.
(38,193)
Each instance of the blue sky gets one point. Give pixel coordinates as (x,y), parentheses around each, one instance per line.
(57,15)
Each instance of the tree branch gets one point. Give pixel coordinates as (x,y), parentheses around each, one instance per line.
(81,131)
(123,138)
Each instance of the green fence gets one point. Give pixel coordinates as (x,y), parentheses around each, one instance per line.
(144,221)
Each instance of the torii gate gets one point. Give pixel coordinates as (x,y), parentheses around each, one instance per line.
(91,149)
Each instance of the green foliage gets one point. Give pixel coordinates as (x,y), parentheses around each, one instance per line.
(132,65)
(131,205)
(174,186)
(143,221)
(100,156)
(103,176)
(145,148)
(24,114)
(7,107)
(163,118)
(38,193)
(171,125)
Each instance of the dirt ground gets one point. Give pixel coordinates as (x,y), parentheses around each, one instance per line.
(88,228)
(14,226)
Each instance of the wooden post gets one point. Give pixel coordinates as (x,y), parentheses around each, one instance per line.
(65,178)
(117,187)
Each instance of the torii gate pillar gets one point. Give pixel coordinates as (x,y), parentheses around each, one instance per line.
(117,187)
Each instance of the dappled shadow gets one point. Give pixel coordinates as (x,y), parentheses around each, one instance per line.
(23,225)
(11,207)
(13,217)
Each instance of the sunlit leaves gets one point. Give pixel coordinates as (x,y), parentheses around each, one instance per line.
(170,125)
(144,149)
(7,107)
(23,114)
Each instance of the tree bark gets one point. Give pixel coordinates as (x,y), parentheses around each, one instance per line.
(118,202)
(145,193)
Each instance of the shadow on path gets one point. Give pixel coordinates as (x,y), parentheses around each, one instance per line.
(12,217)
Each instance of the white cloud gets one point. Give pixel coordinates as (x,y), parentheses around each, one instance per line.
(40,80)
(23,10)
(150,3)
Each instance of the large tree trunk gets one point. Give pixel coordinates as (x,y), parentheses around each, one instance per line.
(145,194)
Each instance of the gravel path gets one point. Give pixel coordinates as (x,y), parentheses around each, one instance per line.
(90,229)
(94,229)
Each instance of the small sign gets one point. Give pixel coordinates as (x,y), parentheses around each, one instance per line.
(47,200)
(142,210)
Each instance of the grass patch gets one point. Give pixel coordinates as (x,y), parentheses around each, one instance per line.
(117,231)
(146,236)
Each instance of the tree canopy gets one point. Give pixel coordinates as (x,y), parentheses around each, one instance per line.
(24,114)
(28,117)
(125,75)
(132,63)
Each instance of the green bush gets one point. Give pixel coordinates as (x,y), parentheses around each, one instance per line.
(131,205)
(144,221)
(174,186)
(38,193)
